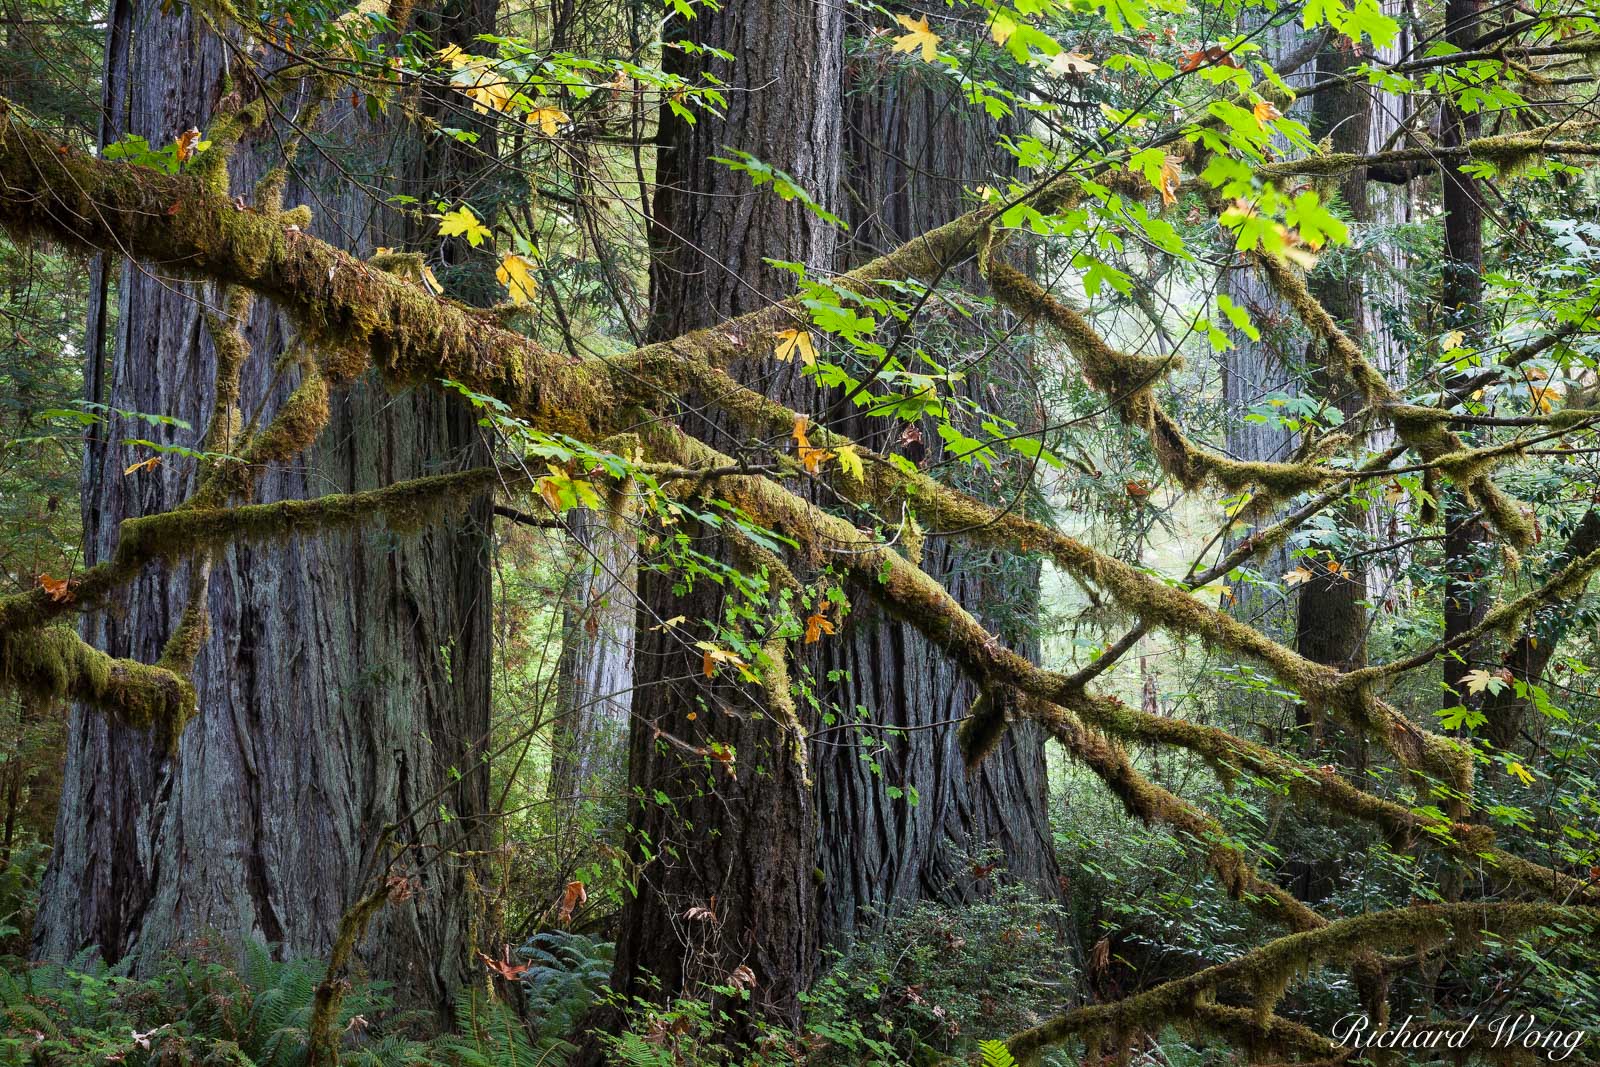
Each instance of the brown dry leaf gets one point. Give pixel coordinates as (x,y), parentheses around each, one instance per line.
(1171,176)
(59,588)
(816,626)
(742,978)
(505,968)
(186,144)
(571,897)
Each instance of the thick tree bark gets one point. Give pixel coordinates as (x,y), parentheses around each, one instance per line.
(728,874)
(912,148)
(346,677)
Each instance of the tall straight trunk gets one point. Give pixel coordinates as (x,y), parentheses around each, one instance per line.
(1461,298)
(897,826)
(594,689)
(729,877)
(345,680)
(1254,371)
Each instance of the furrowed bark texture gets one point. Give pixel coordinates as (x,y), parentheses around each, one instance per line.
(911,149)
(346,674)
(742,848)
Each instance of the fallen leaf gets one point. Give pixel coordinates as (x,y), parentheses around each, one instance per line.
(918,37)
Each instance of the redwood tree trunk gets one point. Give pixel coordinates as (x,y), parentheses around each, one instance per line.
(911,150)
(728,874)
(346,676)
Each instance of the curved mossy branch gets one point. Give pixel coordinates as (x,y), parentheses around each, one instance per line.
(1229,756)
(1508,152)
(910,594)
(1265,973)
(1154,804)
(1425,434)
(1127,380)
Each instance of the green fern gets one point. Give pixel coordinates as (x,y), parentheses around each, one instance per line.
(996,1054)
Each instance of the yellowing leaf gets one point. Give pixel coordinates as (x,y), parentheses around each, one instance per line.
(463,223)
(811,457)
(1545,396)
(1296,576)
(547,119)
(668,624)
(1072,63)
(1266,112)
(1452,340)
(1170,177)
(850,462)
(516,274)
(143,465)
(918,37)
(1002,27)
(792,342)
(1519,772)
(1479,680)
(714,656)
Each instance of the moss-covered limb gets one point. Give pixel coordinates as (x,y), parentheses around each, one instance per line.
(1428,436)
(1127,380)
(194,625)
(1319,788)
(53,662)
(339,304)
(1566,584)
(1265,972)
(1506,152)
(1154,804)
(908,593)
(322,1030)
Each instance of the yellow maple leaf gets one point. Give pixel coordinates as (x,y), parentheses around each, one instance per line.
(1001,28)
(547,119)
(462,223)
(1266,112)
(850,462)
(919,36)
(667,624)
(811,457)
(1519,772)
(143,465)
(1544,396)
(516,274)
(791,342)
(1452,340)
(1296,576)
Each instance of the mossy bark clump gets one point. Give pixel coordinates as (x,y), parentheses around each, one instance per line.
(53,663)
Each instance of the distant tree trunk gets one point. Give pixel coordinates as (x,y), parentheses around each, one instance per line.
(594,687)
(1254,371)
(1460,299)
(1332,621)
(741,849)
(912,148)
(346,676)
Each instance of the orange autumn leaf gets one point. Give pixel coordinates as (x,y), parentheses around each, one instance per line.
(1266,112)
(142,465)
(505,968)
(816,626)
(187,140)
(59,588)
(571,897)
(811,457)
(1170,178)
